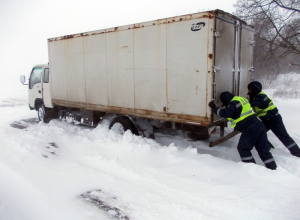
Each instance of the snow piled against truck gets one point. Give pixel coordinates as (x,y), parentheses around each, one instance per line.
(65,171)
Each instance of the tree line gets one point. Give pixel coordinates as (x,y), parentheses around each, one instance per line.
(277,35)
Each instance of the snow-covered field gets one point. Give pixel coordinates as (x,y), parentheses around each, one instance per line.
(61,171)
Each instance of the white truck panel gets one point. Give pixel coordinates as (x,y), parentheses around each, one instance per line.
(75,70)
(58,71)
(95,70)
(187,67)
(120,69)
(150,68)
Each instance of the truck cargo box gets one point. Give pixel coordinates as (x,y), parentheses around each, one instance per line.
(168,69)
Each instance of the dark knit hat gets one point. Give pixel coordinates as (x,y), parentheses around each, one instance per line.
(255,86)
(226,97)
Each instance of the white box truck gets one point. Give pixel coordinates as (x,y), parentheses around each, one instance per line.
(155,74)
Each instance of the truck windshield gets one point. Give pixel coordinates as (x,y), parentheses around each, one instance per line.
(35,76)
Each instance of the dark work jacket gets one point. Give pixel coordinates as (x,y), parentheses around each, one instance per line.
(231,111)
(262,101)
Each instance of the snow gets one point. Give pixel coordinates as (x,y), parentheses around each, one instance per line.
(46,168)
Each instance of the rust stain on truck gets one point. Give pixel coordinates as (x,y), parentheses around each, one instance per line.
(208,14)
(180,118)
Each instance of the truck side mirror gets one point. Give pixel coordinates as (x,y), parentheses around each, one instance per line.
(23,80)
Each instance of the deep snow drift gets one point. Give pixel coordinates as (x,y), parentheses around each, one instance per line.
(46,169)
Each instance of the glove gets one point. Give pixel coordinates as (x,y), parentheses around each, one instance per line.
(211,104)
(251,96)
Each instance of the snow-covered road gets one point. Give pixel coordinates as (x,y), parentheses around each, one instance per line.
(45,169)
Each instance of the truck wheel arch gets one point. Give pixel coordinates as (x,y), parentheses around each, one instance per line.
(125,124)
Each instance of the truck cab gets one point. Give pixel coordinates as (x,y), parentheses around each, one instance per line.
(39,89)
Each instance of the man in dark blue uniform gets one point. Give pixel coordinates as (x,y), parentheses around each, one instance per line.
(267,112)
(238,111)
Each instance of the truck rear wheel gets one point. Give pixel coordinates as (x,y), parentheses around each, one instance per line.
(122,124)
(42,114)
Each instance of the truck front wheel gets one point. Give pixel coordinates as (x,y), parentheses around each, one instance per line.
(122,124)
(42,114)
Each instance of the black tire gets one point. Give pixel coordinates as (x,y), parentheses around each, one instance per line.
(43,114)
(121,124)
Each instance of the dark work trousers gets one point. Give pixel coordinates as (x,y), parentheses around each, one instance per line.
(276,125)
(254,134)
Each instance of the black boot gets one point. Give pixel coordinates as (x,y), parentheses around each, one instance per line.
(296,154)
(271,165)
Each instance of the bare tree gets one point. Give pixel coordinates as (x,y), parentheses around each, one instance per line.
(281,17)
(277,37)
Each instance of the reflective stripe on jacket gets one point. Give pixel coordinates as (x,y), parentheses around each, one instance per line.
(246,110)
(262,112)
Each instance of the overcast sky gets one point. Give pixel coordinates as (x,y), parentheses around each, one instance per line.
(25,25)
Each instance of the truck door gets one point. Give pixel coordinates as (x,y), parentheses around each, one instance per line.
(233,58)
(47,88)
(35,85)
(246,59)
(224,73)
